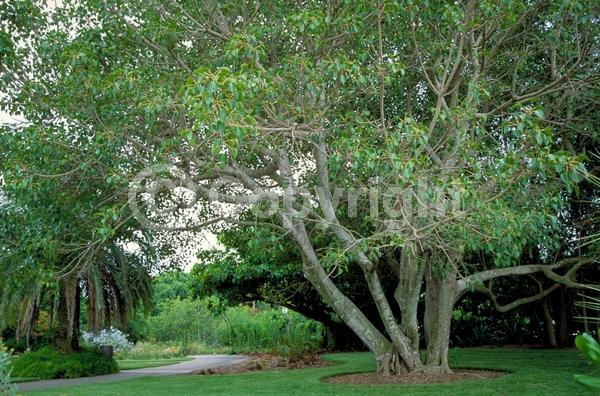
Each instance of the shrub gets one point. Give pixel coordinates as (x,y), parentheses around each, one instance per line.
(6,387)
(47,363)
(282,331)
(111,336)
(240,328)
(36,341)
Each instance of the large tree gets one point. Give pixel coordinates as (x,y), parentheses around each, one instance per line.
(432,139)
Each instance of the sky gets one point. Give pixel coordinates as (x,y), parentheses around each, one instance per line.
(6,118)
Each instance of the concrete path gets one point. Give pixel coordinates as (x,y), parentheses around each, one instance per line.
(198,363)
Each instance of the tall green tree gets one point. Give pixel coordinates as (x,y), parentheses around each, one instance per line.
(419,136)
(64,236)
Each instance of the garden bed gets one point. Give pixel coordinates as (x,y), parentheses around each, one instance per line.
(268,361)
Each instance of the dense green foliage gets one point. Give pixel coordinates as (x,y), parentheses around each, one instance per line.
(272,329)
(179,318)
(239,328)
(48,363)
(57,241)
(530,373)
(171,285)
(180,325)
(6,387)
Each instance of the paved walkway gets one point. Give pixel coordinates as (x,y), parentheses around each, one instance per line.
(198,363)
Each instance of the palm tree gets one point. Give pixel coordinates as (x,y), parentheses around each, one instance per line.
(115,285)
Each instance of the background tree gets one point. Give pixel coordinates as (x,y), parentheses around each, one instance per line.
(259,264)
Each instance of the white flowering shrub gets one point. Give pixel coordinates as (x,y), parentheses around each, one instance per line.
(111,336)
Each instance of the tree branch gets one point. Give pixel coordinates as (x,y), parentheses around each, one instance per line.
(478,279)
(517,303)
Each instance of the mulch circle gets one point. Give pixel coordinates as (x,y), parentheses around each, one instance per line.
(416,378)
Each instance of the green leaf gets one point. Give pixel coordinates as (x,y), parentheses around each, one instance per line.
(539,113)
(589,381)
(589,347)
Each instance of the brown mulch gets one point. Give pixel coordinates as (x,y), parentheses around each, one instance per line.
(268,361)
(416,378)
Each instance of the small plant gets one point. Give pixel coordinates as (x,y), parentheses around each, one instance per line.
(111,336)
(591,350)
(6,387)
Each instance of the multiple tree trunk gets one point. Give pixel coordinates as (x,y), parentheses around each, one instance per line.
(397,347)
(556,319)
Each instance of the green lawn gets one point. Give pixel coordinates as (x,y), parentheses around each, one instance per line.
(130,364)
(532,372)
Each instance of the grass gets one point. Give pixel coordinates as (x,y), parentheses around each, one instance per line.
(531,372)
(130,364)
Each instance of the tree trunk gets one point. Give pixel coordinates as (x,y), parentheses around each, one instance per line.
(93,314)
(409,272)
(563,319)
(403,345)
(439,302)
(549,324)
(342,305)
(394,352)
(66,322)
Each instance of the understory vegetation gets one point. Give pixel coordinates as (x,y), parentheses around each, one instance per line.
(6,387)
(240,328)
(47,363)
(178,326)
(185,327)
(182,325)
